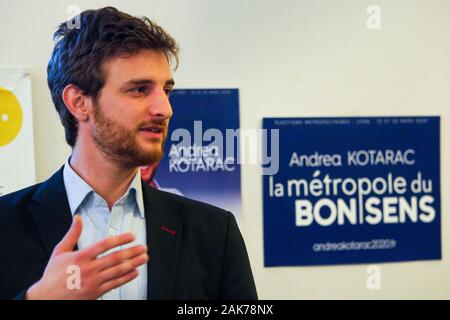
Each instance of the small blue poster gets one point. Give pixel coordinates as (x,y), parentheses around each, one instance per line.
(353,190)
(201,160)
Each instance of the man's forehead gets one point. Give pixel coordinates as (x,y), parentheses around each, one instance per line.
(144,81)
(144,65)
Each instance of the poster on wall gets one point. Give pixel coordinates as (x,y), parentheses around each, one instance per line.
(200,160)
(17,168)
(353,190)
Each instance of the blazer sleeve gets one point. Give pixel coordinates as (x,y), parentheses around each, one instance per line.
(21,295)
(237,278)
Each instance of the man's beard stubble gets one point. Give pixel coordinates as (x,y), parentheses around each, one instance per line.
(119,144)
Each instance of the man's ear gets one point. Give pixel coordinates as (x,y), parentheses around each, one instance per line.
(76,102)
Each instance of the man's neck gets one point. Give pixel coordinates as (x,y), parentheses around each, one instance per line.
(108,179)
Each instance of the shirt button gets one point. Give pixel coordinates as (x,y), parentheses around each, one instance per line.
(111,232)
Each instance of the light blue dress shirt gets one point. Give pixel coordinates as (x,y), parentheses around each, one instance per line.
(127,215)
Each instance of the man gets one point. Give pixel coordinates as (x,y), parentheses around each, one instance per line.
(94,229)
(148,176)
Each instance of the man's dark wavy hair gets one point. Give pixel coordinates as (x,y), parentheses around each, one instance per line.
(80,53)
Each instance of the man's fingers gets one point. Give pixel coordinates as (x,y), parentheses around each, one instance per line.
(121,269)
(119,257)
(117,282)
(107,244)
(71,238)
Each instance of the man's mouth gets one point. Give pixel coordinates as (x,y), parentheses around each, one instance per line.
(153,131)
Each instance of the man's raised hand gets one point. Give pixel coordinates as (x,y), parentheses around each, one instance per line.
(97,275)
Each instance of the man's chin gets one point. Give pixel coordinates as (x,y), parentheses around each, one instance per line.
(148,157)
(146,153)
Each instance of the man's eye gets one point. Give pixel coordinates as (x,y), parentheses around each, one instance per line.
(168,91)
(139,90)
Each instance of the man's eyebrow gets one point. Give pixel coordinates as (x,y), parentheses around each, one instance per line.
(136,82)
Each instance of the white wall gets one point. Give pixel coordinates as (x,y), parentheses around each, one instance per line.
(288,58)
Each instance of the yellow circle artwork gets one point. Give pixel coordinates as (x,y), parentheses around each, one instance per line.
(10,117)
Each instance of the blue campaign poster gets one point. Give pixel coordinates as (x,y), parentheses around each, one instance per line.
(199,161)
(353,190)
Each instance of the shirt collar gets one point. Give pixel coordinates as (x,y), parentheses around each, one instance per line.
(77,189)
(136,184)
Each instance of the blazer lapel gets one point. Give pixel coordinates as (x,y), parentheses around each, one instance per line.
(163,239)
(50,211)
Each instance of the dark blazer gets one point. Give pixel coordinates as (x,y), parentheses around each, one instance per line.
(196,250)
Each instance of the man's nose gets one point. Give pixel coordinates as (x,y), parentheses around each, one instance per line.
(160,105)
